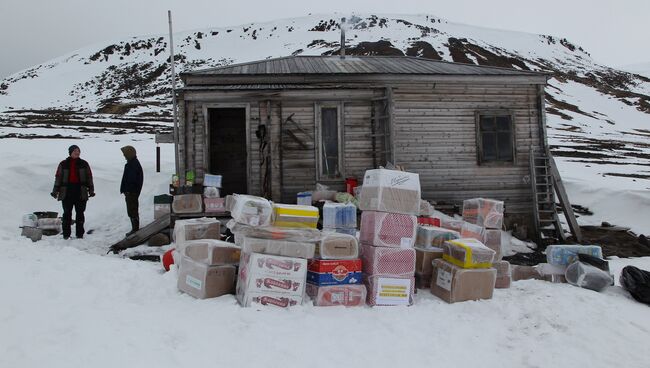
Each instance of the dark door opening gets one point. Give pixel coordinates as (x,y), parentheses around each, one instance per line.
(227,131)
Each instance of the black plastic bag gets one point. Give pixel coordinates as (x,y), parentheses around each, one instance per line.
(637,282)
(594,261)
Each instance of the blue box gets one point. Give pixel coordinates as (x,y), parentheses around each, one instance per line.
(324,279)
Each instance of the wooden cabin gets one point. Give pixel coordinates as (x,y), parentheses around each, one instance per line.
(277,127)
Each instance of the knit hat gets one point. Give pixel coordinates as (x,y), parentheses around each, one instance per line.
(72,148)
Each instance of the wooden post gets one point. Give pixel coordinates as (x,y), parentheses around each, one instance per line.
(157,158)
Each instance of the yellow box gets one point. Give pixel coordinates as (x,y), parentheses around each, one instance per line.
(468,253)
(295,216)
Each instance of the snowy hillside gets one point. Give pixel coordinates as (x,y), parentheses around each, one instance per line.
(598,117)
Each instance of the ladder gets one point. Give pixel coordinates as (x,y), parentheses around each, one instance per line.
(546,183)
(380,129)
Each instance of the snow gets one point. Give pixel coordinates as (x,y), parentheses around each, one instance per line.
(67,303)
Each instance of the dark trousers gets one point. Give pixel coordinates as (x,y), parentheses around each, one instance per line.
(73,200)
(132,204)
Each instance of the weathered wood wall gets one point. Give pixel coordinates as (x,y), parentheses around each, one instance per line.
(434,134)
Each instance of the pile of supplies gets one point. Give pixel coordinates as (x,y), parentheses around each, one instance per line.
(35,225)
(276,240)
(210,201)
(390,201)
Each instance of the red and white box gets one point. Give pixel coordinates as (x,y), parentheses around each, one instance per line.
(384,229)
(271,300)
(333,295)
(393,262)
(270,280)
(384,290)
(334,265)
(268,265)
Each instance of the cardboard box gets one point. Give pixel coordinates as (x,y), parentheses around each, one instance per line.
(454,284)
(492,240)
(390,290)
(187,203)
(203,281)
(390,191)
(338,246)
(197,228)
(483,212)
(472,231)
(270,300)
(504,274)
(257,264)
(388,229)
(334,278)
(345,295)
(284,248)
(424,258)
(391,262)
(295,216)
(433,236)
(211,252)
(270,280)
(215,205)
(468,253)
(525,273)
(250,210)
(331,265)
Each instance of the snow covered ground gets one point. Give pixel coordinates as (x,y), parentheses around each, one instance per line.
(67,304)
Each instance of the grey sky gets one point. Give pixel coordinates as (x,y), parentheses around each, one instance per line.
(33,31)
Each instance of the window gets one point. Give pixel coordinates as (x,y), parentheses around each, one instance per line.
(495,138)
(330,143)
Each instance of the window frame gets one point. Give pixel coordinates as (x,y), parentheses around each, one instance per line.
(479,137)
(318,108)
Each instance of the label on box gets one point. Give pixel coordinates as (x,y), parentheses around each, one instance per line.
(193,282)
(406,242)
(393,291)
(444,279)
(329,278)
(334,265)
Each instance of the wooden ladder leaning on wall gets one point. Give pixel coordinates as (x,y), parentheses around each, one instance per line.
(546,183)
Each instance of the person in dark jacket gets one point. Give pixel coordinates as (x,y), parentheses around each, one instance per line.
(73,184)
(132,180)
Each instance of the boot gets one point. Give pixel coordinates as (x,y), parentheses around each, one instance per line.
(135,225)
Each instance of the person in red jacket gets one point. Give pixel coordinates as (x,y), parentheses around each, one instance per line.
(73,185)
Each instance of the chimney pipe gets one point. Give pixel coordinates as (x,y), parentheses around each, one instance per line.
(342,38)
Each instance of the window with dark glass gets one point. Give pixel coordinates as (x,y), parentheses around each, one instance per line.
(330,142)
(495,138)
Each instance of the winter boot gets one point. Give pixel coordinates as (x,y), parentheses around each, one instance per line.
(135,225)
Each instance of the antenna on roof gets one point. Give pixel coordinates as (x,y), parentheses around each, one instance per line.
(342,27)
(171,59)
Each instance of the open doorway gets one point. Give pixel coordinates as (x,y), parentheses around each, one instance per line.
(227,148)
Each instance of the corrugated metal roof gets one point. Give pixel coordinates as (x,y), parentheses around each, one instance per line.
(356,65)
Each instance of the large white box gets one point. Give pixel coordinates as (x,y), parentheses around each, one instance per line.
(390,191)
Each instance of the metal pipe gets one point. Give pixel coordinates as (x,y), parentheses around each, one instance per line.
(174,113)
(342,38)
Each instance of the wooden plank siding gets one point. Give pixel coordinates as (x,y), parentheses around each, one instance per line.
(435,136)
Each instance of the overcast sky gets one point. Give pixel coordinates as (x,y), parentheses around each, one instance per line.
(615,32)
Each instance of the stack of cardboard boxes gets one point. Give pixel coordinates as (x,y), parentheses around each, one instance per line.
(484,220)
(206,264)
(428,246)
(276,241)
(464,272)
(390,201)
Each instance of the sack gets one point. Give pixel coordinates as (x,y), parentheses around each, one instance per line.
(637,282)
